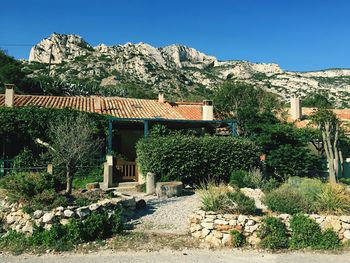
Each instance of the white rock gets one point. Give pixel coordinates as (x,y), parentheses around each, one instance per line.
(208,225)
(10,219)
(48,217)
(68,213)
(242,218)
(94,207)
(83,211)
(347,234)
(221,222)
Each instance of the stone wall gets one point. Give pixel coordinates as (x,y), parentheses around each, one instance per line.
(16,219)
(214,228)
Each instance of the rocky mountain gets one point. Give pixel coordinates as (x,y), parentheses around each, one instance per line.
(176,69)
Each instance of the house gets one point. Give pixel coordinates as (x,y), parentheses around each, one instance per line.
(129,119)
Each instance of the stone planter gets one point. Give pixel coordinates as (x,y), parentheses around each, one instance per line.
(168,189)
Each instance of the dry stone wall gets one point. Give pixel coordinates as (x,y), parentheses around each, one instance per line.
(16,219)
(214,228)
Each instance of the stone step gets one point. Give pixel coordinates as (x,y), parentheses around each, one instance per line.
(128,184)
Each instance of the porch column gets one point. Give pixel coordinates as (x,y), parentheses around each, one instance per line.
(110,136)
(145,129)
(233,128)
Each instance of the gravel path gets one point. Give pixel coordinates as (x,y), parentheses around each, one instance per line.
(202,256)
(166,215)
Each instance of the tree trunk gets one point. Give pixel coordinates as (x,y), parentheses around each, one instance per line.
(326,136)
(69,178)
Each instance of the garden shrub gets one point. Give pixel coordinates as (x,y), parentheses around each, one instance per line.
(219,198)
(238,239)
(334,199)
(193,159)
(212,195)
(60,237)
(273,234)
(242,203)
(286,200)
(308,195)
(252,179)
(305,232)
(329,240)
(23,186)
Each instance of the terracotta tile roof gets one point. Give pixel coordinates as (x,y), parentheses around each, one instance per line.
(114,106)
(342,114)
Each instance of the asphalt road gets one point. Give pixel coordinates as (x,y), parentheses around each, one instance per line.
(200,256)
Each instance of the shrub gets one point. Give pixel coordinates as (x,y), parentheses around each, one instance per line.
(14,241)
(273,234)
(238,239)
(252,179)
(286,200)
(219,198)
(305,232)
(329,240)
(212,196)
(192,159)
(308,195)
(24,186)
(241,203)
(334,199)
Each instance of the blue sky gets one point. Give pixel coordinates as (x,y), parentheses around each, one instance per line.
(298,35)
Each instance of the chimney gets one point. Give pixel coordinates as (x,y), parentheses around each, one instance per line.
(9,95)
(295,108)
(161,97)
(207,110)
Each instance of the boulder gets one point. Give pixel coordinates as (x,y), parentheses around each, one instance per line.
(169,189)
(83,211)
(48,217)
(94,207)
(68,213)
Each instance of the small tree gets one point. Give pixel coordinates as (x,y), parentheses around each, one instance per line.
(72,144)
(329,127)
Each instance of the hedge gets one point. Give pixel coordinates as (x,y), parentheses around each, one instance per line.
(194,159)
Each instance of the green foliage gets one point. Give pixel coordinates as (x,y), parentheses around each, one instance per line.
(305,232)
(317,100)
(333,199)
(286,200)
(252,179)
(212,196)
(97,226)
(25,186)
(238,239)
(82,178)
(273,234)
(243,204)
(219,198)
(24,125)
(329,240)
(308,195)
(194,159)
(15,242)
(288,160)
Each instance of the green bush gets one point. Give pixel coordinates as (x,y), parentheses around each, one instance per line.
(23,186)
(329,240)
(219,198)
(194,159)
(242,203)
(334,199)
(212,196)
(308,195)
(238,239)
(286,200)
(251,179)
(305,232)
(97,226)
(273,234)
